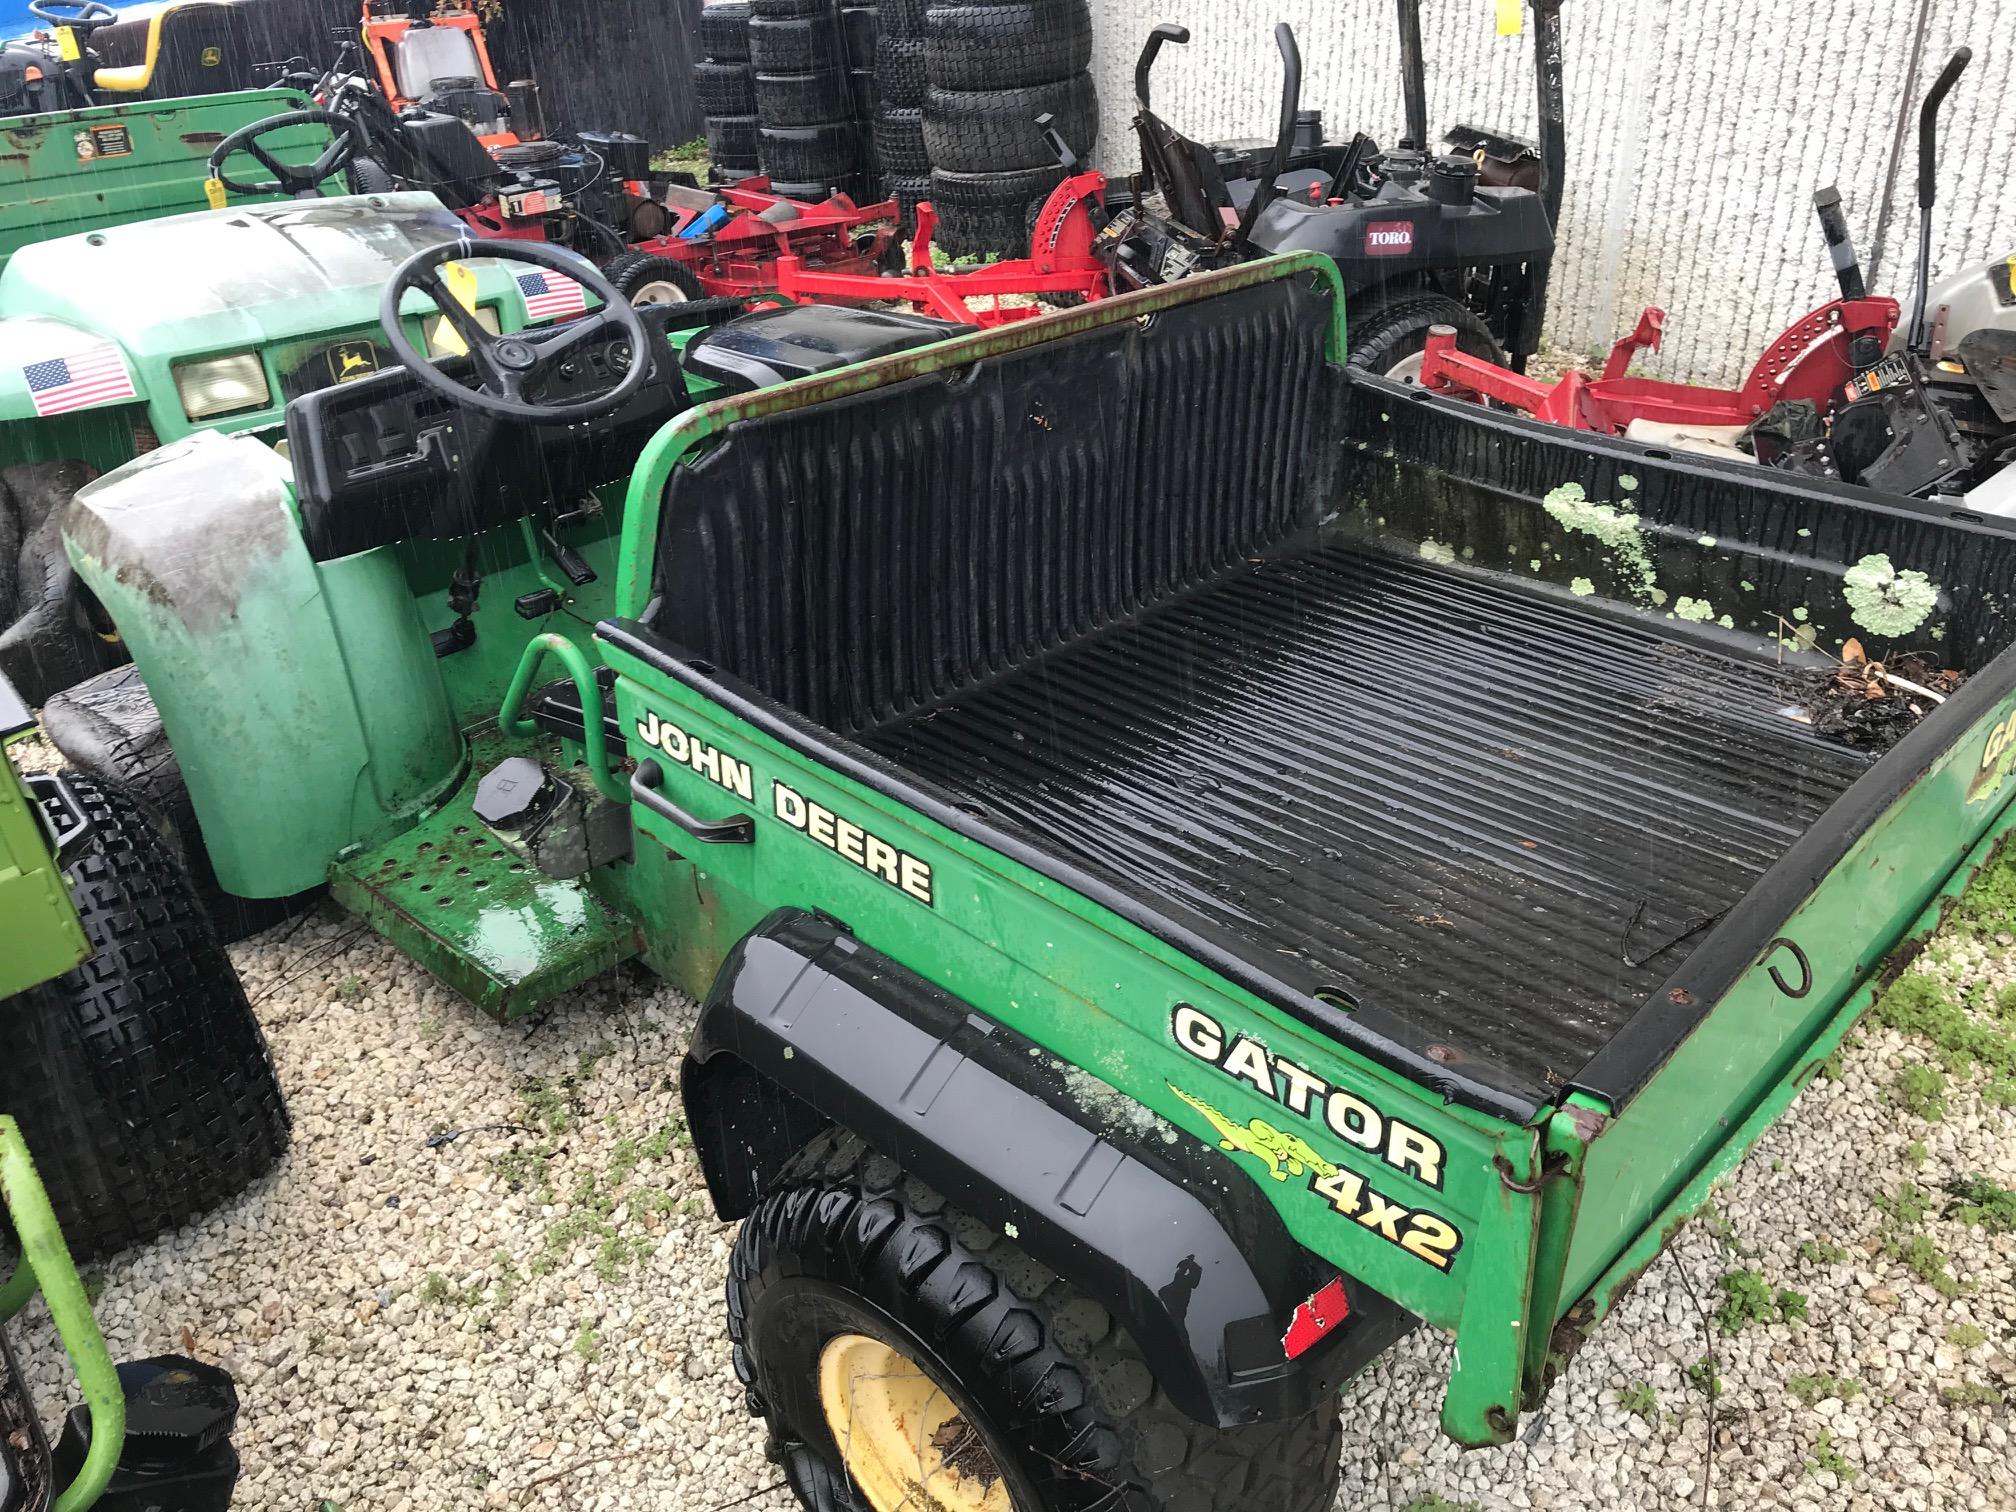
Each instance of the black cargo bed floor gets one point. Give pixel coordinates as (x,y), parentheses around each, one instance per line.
(1500,817)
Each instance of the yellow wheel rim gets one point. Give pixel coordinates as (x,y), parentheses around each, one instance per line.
(904,1440)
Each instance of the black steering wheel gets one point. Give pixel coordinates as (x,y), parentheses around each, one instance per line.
(78,15)
(507,366)
(297,180)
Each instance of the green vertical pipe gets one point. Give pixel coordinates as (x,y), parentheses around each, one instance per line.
(45,1260)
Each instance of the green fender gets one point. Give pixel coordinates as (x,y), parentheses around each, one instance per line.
(302,701)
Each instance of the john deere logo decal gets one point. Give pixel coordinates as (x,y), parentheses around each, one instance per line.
(212,56)
(351,360)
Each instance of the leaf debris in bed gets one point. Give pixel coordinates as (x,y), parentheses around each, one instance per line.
(1874,704)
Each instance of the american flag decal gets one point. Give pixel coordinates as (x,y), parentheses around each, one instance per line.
(79,381)
(551,296)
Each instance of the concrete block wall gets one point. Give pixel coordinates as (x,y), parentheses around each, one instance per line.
(1698,131)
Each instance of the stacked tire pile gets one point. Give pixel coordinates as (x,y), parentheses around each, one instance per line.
(724,84)
(813,102)
(991,70)
(901,84)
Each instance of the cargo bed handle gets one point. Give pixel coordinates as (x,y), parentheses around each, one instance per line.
(646,787)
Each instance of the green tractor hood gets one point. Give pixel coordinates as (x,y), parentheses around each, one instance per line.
(281,281)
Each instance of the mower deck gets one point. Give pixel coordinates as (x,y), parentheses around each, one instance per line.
(490,925)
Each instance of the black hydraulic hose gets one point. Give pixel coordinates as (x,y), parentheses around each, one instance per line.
(1928,183)
(1284,137)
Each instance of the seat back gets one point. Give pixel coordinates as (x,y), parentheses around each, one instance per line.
(192,47)
(427,53)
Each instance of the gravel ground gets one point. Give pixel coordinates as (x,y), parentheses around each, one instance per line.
(528,1313)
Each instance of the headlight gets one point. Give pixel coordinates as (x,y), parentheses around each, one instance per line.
(222,386)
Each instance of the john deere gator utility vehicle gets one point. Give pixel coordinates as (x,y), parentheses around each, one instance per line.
(135,1069)
(1196,860)
(136,1074)
(150,1436)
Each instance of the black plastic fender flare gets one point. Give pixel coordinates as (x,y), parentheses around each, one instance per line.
(805,1027)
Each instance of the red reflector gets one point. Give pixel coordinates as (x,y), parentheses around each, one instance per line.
(1315,1319)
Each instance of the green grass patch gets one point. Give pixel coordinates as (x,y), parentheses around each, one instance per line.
(1702,1377)
(1748,1298)
(1821,1252)
(1985,1204)
(1971,1394)
(586,1344)
(1434,1503)
(1808,1389)
(1964,1336)
(1828,1458)
(1979,1033)
(1921,1092)
(1640,1400)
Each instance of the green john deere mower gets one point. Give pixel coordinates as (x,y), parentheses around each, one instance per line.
(1152,953)
(137,1078)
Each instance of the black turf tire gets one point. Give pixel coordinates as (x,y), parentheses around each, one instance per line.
(816,191)
(731,139)
(637,274)
(992,131)
(899,141)
(140,1079)
(899,70)
(846,1243)
(46,645)
(771,10)
(1384,331)
(724,89)
(369,176)
(724,31)
(10,552)
(824,152)
(864,97)
(987,213)
(901,18)
(803,99)
(107,727)
(859,26)
(907,189)
(794,44)
(1005,46)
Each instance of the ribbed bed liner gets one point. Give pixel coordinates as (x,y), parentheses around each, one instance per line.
(1500,817)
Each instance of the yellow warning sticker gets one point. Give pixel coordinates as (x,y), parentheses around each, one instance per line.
(443,338)
(1511,17)
(66,45)
(213,190)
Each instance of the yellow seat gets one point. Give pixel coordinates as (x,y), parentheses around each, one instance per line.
(135,78)
(190,47)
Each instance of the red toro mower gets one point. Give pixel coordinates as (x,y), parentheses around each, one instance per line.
(739,242)
(1842,393)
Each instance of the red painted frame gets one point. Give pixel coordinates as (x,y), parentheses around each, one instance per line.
(1808,360)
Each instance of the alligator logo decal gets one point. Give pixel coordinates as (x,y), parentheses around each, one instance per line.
(1996,759)
(1283,1154)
